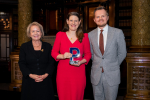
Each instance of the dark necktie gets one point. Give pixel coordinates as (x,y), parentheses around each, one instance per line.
(101,45)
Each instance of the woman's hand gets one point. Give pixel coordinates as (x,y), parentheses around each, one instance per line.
(78,64)
(67,55)
(33,76)
(64,56)
(44,76)
(37,78)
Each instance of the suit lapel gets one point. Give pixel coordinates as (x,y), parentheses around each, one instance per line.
(95,39)
(110,35)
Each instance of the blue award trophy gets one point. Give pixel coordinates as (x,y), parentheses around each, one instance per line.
(74,55)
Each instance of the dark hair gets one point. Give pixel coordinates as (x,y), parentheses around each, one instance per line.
(101,8)
(79,32)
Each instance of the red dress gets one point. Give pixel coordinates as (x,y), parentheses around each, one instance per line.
(71,80)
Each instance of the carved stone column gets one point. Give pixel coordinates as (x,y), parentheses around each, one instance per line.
(24,19)
(138,57)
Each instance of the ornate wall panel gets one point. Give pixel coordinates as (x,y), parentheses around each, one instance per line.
(138,76)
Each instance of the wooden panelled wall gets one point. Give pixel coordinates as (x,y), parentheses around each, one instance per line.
(52,14)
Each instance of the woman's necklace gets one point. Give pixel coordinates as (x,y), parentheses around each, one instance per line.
(37,45)
(71,37)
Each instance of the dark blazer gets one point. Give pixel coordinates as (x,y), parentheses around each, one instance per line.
(30,63)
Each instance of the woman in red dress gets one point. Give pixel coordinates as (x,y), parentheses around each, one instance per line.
(71,79)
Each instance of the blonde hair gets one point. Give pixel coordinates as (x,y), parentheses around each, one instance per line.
(36,24)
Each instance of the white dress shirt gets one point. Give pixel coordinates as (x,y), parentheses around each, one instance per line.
(105,31)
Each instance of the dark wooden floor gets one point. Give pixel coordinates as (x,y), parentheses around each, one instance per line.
(12,95)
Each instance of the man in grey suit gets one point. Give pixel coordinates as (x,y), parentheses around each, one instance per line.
(108,50)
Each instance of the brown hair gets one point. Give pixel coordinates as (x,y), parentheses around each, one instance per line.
(101,8)
(36,24)
(79,32)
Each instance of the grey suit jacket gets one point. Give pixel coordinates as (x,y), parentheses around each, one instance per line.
(114,54)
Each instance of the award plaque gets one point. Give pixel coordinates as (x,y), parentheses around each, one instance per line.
(74,55)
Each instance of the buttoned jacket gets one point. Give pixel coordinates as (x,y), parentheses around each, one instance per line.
(114,54)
